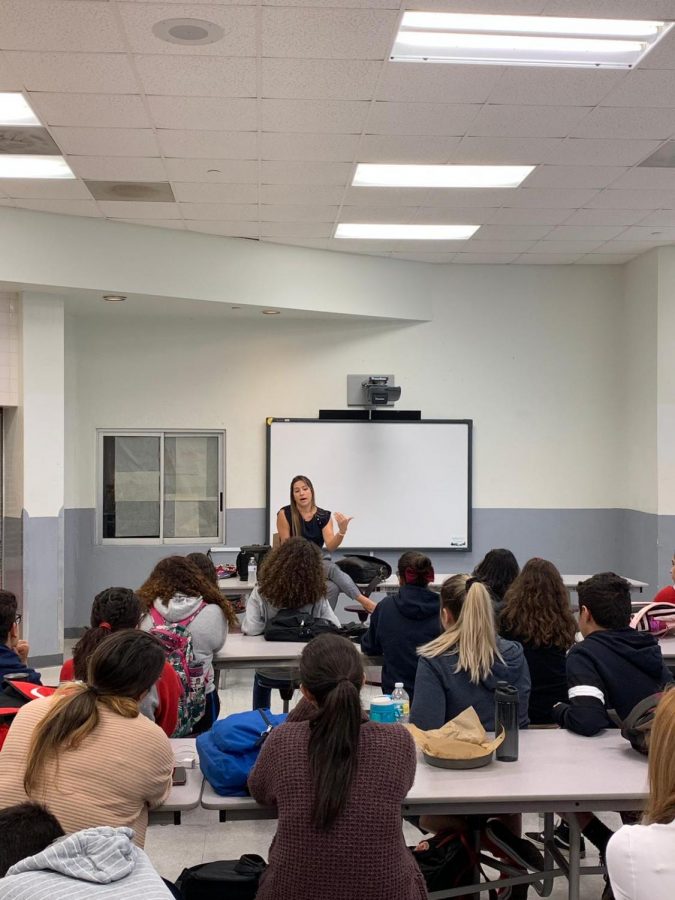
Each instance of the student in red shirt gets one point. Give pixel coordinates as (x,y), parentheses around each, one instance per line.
(667,594)
(115,609)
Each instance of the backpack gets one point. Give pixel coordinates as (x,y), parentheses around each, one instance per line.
(236,879)
(177,643)
(14,694)
(368,570)
(656,618)
(448,861)
(293,625)
(637,725)
(228,752)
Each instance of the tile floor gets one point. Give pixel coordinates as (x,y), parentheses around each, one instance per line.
(202,838)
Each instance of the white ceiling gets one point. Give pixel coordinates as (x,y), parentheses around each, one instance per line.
(298,91)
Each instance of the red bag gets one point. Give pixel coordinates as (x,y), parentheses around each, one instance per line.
(13,696)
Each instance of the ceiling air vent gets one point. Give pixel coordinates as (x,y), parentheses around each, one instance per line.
(27,142)
(138,191)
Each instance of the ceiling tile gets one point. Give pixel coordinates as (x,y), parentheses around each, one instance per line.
(296,229)
(64,207)
(124,209)
(369,196)
(65,25)
(505,151)
(432,215)
(421,118)
(220,212)
(550,198)
(632,199)
(425,83)
(308,194)
(584,233)
(579,151)
(88,73)
(174,224)
(546,259)
(646,177)
(9,77)
(539,86)
(213,170)
(648,233)
(511,233)
(201,76)
(467,198)
(346,4)
(287,172)
(208,144)
(605,259)
(626,122)
(322,147)
(592,217)
(644,87)
(526,121)
(293,213)
(512,216)
(649,9)
(440,258)
(118,168)
(574,176)
(204,113)
(314,116)
(489,259)
(90,110)
(659,217)
(44,188)
(492,246)
(626,247)
(552,246)
(225,228)
(106,141)
(663,55)
(238,24)
(310,79)
(379,214)
(328,33)
(407,148)
(207,192)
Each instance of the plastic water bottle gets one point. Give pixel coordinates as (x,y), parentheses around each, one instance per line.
(506,718)
(252,570)
(402,701)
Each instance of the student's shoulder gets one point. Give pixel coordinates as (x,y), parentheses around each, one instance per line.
(389,739)
(323,516)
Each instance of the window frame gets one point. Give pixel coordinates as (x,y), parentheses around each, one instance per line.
(162,434)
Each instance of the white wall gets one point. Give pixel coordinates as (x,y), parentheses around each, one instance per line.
(666,382)
(528,352)
(9,349)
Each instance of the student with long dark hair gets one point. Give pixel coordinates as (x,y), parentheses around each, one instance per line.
(86,752)
(337,781)
(497,570)
(116,609)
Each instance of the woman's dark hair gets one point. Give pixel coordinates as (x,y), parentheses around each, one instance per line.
(205,565)
(331,670)
(121,670)
(296,518)
(415,568)
(113,609)
(537,607)
(179,575)
(25,829)
(8,608)
(497,570)
(292,575)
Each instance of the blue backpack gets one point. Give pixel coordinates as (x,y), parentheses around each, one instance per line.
(228,752)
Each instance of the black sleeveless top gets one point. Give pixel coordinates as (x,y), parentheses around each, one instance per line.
(313,529)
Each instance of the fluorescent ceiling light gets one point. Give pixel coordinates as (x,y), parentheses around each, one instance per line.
(525,40)
(384,175)
(14,110)
(372,231)
(19,166)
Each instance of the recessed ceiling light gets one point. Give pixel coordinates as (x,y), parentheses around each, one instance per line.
(388,232)
(14,110)
(271,312)
(188,31)
(385,175)
(526,40)
(114,298)
(25,166)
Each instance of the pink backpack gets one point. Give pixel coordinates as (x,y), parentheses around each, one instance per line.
(656,618)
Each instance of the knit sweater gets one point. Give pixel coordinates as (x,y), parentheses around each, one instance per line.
(363,855)
(99,862)
(120,770)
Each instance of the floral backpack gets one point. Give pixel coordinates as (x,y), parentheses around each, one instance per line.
(177,643)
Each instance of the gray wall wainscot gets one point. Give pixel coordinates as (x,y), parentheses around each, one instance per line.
(43,558)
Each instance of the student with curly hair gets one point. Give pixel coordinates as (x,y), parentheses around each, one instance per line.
(291,577)
(537,614)
(181,595)
(115,609)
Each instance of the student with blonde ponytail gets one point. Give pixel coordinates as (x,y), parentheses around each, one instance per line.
(462,666)
(86,753)
(337,781)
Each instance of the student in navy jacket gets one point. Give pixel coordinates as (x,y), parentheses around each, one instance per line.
(13,651)
(404,621)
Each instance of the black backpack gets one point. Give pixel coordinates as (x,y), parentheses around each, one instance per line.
(637,726)
(368,570)
(447,862)
(295,625)
(235,879)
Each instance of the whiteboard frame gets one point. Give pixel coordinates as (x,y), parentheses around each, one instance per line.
(271,420)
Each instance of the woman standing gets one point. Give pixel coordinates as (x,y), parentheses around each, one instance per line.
(337,781)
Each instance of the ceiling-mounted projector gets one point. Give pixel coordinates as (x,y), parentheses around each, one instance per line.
(372,390)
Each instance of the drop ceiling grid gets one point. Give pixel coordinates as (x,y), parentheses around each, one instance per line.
(585,130)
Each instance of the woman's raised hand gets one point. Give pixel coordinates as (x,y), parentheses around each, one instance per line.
(342,522)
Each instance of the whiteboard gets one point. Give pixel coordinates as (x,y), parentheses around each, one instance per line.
(407,484)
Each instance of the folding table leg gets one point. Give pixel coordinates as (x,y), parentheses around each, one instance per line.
(574,864)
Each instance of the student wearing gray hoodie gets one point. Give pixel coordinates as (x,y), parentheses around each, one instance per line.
(98,862)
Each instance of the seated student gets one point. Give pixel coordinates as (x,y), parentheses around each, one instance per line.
(462,666)
(290,577)
(497,570)
(13,651)
(179,594)
(667,594)
(337,781)
(86,752)
(115,609)
(640,859)
(36,860)
(404,621)
(537,614)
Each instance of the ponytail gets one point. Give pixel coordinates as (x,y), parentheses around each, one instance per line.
(332,671)
(472,634)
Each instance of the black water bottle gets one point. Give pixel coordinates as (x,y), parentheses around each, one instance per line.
(506,718)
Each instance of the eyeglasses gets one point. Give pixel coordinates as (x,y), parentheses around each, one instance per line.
(18,619)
